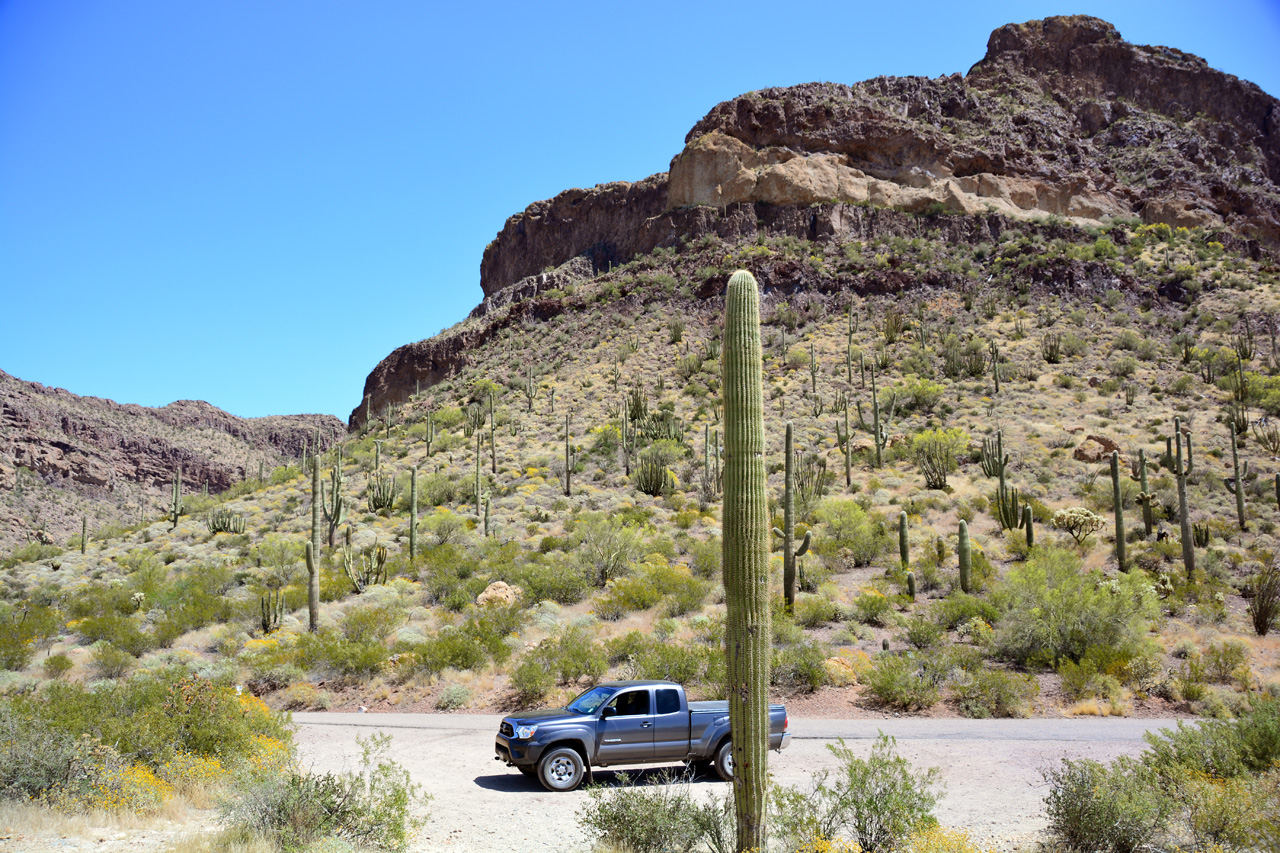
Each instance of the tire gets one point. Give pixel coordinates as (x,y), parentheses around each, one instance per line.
(561,769)
(724,761)
(699,768)
(528,770)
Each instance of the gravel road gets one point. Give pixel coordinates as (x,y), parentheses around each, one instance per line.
(991,770)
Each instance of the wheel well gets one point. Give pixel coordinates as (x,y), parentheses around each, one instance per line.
(716,750)
(576,746)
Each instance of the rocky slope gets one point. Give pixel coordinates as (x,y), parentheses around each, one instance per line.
(1060,120)
(1061,117)
(62,455)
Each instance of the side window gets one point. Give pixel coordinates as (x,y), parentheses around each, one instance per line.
(668,701)
(633,704)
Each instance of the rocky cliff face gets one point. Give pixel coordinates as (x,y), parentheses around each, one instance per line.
(62,455)
(1061,121)
(1061,117)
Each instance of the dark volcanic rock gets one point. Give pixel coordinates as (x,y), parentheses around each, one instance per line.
(104,458)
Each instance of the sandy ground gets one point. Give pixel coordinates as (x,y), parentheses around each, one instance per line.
(990,769)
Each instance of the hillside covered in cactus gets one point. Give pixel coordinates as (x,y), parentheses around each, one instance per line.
(1021,459)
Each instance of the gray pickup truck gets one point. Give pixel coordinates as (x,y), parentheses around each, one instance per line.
(623,722)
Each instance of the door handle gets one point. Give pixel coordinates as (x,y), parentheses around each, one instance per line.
(645,725)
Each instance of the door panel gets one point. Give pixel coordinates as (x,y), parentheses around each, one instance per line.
(628,735)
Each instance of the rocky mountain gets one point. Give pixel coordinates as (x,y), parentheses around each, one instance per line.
(62,455)
(1061,121)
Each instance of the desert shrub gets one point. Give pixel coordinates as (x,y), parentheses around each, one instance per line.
(935,452)
(34,757)
(1264,606)
(898,681)
(330,650)
(704,559)
(921,633)
(107,661)
(1220,748)
(1226,661)
(648,657)
(960,607)
(654,580)
(453,697)
(851,532)
(553,578)
(607,545)
(800,667)
(22,631)
(1116,809)
(995,693)
(154,715)
(572,655)
(873,608)
(304,697)
(1052,611)
(56,666)
(877,801)
(814,610)
(121,632)
(372,622)
(654,818)
(32,552)
(449,648)
(369,808)
(531,681)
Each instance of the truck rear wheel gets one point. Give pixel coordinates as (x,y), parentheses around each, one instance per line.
(724,761)
(561,769)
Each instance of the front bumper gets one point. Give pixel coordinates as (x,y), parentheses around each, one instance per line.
(515,751)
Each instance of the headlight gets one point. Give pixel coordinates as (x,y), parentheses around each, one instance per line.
(526,732)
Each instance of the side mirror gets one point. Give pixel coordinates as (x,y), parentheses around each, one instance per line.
(609,711)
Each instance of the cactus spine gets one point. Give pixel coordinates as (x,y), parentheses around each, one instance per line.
(313,590)
(413,513)
(1239,483)
(748,633)
(904,549)
(788,531)
(965,551)
(1118,503)
(1180,474)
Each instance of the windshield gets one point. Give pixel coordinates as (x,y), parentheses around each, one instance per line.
(588,702)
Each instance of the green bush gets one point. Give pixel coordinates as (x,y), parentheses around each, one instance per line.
(32,552)
(658,817)
(958,608)
(877,801)
(531,681)
(332,651)
(450,648)
(453,697)
(34,757)
(1220,748)
(921,633)
(369,808)
(371,622)
(1116,809)
(873,608)
(22,631)
(814,610)
(106,661)
(1053,612)
(850,531)
(553,578)
(800,667)
(995,693)
(571,655)
(899,682)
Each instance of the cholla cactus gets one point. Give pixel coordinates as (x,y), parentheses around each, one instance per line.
(1079,522)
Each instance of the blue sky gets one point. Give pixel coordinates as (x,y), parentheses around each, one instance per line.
(253,203)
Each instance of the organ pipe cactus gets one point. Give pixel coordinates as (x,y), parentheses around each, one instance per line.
(788,531)
(748,633)
(1180,473)
(993,458)
(965,552)
(272,607)
(1118,504)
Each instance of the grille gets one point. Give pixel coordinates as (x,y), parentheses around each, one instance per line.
(505,729)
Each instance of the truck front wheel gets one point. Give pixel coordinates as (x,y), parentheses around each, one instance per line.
(724,761)
(561,769)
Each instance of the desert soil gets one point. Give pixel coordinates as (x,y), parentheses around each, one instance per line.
(991,770)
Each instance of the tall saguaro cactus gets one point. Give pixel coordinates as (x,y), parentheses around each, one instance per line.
(1239,481)
(335,506)
(175,508)
(317,505)
(788,531)
(748,632)
(1118,502)
(413,513)
(1180,474)
(313,589)
(1145,496)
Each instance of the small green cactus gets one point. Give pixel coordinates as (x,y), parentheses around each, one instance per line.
(1118,502)
(965,552)
(904,549)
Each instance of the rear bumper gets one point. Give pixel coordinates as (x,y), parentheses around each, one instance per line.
(786,740)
